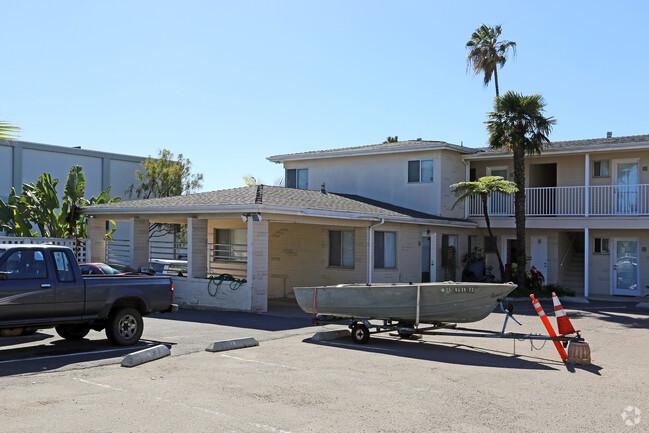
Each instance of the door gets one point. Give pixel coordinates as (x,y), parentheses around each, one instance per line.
(626,191)
(26,294)
(539,250)
(625,267)
(428,258)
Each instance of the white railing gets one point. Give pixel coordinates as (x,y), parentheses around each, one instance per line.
(118,252)
(80,247)
(167,249)
(610,200)
(228,259)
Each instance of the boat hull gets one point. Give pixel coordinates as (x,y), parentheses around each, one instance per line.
(438,302)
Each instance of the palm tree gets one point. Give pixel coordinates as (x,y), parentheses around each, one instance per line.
(7,132)
(484,187)
(518,125)
(487,53)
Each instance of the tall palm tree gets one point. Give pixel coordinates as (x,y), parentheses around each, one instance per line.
(484,187)
(518,125)
(7,132)
(487,53)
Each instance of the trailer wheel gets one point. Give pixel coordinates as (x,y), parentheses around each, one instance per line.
(360,333)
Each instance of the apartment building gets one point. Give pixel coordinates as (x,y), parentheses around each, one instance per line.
(385,213)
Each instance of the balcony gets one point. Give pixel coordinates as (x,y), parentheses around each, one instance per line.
(609,200)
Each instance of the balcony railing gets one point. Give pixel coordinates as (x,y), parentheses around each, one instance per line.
(609,200)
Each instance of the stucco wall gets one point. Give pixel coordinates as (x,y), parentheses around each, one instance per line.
(385,177)
(36,162)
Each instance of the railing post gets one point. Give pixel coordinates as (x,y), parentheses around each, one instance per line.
(587,184)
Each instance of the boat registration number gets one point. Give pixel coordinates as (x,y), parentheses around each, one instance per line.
(457,290)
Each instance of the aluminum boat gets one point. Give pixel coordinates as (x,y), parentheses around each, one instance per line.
(411,303)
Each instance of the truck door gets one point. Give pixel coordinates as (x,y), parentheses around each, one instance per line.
(26,289)
(70,291)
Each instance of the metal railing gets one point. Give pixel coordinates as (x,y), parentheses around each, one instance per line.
(227,259)
(609,200)
(118,252)
(167,249)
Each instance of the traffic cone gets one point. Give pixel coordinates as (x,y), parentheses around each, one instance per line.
(548,326)
(563,323)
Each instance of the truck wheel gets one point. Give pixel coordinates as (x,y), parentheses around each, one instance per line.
(72,332)
(124,326)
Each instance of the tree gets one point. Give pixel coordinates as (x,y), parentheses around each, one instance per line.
(518,125)
(394,139)
(484,187)
(487,53)
(7,132)
(165,177)
(251,180)
(39,205)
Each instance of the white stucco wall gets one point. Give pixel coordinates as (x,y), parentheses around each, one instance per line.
(122,176)
(384,177)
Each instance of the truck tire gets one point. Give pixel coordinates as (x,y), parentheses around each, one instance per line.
(124,326)
(72,332)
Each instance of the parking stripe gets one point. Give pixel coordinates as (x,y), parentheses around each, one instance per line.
(259,362)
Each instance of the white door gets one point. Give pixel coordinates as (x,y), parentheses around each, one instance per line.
(539,250)
(626,191)
(625,267)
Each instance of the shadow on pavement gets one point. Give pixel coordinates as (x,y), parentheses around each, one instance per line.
(456,353)
(282,315)
(460,354)
(62,353)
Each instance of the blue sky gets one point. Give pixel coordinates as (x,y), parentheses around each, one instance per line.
(228,84)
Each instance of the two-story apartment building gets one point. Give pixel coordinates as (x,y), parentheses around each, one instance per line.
(384,212)
(587,206)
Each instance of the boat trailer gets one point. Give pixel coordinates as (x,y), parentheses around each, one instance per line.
(361,328)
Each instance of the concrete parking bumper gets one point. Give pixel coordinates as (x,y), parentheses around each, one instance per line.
(239,343)
(146,355)
(330,335)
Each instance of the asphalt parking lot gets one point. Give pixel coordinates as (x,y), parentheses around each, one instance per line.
(290,383)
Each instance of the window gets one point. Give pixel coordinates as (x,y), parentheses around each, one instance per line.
(231,245)
(341,248)
(601,246)
(24,264)
(297,178)
(385,250)
(600,169)
(498,171)
(420,171)
(64,272)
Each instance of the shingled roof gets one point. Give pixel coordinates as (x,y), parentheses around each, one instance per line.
(399,146)
(580,145)
(265,198)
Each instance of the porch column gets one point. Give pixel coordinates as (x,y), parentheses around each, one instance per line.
(97,237)
(587,184)
(139,242)
(586,259)
(258,264)
(196,248)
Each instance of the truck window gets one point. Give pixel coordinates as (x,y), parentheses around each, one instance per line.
(64,271)
(24,264)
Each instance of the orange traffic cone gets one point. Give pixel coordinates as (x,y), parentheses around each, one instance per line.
(563,323)
(548,326)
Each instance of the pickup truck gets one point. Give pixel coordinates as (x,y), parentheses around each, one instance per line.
(41,286)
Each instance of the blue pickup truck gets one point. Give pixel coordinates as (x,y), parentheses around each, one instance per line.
(41,286)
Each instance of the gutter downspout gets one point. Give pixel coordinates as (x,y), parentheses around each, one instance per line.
(370,244)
